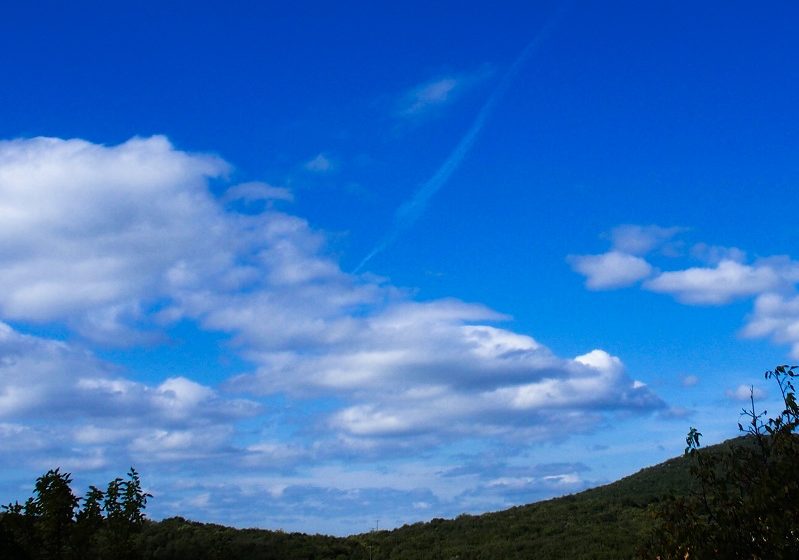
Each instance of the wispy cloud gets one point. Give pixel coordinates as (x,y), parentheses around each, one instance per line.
(689,380)
(320,163)
(423,99)
(639,240)
(256,191)
(409,212)
(429,95)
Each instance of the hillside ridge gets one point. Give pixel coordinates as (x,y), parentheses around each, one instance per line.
(605,522)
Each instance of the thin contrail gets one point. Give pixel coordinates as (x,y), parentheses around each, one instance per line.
(411,210)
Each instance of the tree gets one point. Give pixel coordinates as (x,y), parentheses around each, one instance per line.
(124,505)
(88,524)
(50,525)
(53,508)
(746,500)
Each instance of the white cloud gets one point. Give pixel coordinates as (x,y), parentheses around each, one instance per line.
(610,270)
(714,254)
(117,243)
(47,379)
(129,226)
(721,284)
(532,391)
(89,233)
(745,393)
(775,316)
(772,281)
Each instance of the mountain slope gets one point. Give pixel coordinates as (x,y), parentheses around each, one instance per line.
(605,522)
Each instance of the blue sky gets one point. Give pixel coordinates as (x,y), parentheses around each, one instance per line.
(311,266)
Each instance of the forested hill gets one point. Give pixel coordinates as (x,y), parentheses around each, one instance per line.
(605,522)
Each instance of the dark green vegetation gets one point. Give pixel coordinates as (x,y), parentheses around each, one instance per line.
(739,499)
(50,525)
(746,504)
(607,522)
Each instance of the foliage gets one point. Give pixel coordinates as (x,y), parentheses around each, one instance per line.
(179,539)
(51,525)
(746,504)
(602,523)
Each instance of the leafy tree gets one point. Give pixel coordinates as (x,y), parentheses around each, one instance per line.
(50,524)
(746,501)
(88,524)
(53,508)
(124,505)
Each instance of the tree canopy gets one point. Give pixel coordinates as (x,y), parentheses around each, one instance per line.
(746,504)
(52,525)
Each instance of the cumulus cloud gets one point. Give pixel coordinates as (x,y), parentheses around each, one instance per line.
(126,227)
(89,233)
(714,254)
(624,264)
(776,316)
(47,378)
(431,369)
(516,404)
(118,243)
(717,285)
(610,270)
(745,392)
(77,406)
(726,277)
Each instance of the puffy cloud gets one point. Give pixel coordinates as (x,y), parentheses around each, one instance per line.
(775,316)
(117,243)
(130,236)
(721,284)
(521,402)
(610,270)
(431,369)
(727,277)
(624,264)
(89,233)
(88,407)
(714,254)
(745,392)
